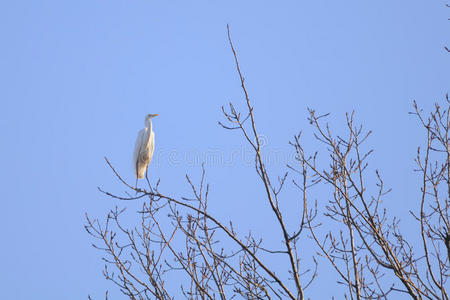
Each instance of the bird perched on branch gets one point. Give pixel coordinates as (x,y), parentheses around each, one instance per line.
(143,150)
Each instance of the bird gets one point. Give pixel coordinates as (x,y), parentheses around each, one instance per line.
(143,150)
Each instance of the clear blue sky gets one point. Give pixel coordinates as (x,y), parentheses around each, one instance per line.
(77,78)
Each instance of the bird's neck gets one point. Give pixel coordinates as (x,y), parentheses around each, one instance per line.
(149,126)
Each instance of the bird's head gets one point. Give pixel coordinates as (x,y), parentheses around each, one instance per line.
(149,117)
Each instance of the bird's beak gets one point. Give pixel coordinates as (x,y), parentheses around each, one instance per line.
(155,115)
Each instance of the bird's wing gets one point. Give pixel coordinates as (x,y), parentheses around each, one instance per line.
(151,146)
(137,148)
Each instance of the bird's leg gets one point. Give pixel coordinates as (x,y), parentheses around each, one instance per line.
(135,187)
(148,181)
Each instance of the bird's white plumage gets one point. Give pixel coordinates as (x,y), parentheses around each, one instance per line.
(144,148)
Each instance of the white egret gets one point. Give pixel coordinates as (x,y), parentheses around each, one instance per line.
(143,150)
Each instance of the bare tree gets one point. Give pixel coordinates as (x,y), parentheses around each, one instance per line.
(363,244)
(369,244)
(446,48)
